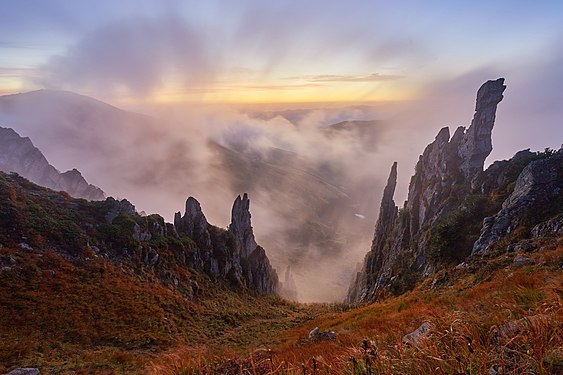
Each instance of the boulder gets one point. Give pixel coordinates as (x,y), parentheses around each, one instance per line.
(415,337)
(317,335)
(521,260)
(25,371)
(539,186)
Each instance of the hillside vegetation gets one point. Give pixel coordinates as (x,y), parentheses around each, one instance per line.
(83,293)
(497,318)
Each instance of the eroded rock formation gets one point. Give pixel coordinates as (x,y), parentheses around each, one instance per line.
(241,226)
(231,255)
(538,189)
(400,252)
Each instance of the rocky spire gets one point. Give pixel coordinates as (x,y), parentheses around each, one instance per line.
(476,144)
(289,288)
(400,252)
(365,279)
(257,273)
(193,224)
(387,215)
(233,255)
(241,226)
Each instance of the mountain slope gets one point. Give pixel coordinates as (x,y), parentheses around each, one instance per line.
(19,155)
(86,274)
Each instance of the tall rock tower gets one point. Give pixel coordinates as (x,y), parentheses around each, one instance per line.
(443,177)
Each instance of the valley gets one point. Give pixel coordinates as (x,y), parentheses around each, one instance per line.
(465,278)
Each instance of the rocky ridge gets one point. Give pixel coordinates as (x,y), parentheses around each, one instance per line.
(18,154)
(38,219)
(450,195)
(232,254)
(538,188)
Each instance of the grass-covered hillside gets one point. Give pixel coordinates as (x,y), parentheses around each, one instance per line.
(83,286)
(487,317)
(83,294)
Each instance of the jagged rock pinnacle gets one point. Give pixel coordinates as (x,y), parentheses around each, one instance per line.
(388,209)
(241,226)
(476,144)
(400,251)
(193,223)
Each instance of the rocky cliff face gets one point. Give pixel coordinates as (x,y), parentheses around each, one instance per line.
(538,190)
(401,252)
(180,254)
(232,255)
(18,154)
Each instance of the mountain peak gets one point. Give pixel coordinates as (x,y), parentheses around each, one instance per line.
(241,225)
(18,154)
(401,248)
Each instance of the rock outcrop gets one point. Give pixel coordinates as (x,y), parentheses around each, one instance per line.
(231,255)
(476,144)
(257,272)
(18,154)
(194,224)
(539,185)
(25,371)
(400,252)
(241,226)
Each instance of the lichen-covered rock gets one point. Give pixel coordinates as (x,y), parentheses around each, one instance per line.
(317,335)
(520,260)
(550,228)
(415,337)
(538,186)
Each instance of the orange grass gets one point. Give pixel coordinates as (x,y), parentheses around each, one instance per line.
(465,316)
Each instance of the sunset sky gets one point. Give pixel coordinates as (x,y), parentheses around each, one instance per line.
(271,51)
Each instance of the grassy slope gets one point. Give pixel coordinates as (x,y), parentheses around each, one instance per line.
(101,318)
(98,317)
(466,314)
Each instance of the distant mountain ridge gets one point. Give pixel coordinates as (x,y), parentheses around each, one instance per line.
(18,154)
